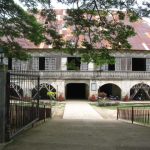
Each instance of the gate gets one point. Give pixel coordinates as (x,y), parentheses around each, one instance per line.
(22,109)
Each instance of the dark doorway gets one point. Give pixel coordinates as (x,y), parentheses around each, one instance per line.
(111,67)
(140,91)
(140,95)
(138,64)
(112,91)
(43,93)
(73,63)
(41,63)
(43,89)
(76,91)
(106,89)
(16,91)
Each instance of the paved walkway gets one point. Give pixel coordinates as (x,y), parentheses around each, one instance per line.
(81,134)
(66,134)
(80,110)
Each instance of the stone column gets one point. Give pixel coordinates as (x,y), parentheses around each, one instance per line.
(3,104)
(63,63)
(93,92)
(125,87)
(91,66)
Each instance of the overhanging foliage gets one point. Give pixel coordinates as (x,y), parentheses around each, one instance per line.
(99,23)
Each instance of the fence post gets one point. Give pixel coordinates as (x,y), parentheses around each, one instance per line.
(132,117)
(44,113)
(3,104)
(38,97)
(148,118)
(117,113)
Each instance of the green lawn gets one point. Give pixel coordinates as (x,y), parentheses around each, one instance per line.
(121,105)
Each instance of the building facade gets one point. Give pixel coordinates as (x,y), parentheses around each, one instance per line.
(129,76)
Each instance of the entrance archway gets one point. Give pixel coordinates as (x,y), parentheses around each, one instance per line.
(112,90)
(77,91)
(16,91)
(140,91)
(43,89)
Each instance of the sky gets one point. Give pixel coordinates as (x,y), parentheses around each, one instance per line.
(57,5)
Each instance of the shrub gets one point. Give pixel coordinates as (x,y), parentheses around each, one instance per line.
(102,94)
(106,102)
(51,95)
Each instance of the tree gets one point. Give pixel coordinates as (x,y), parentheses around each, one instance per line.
(100,28)
(99,25)
(16,22)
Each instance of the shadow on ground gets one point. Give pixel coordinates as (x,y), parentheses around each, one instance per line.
(64,134)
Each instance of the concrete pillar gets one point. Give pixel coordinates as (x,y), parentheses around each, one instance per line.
(60,88)
(3,103)
(93,89)
(125,88)
(91,66)
(63,63)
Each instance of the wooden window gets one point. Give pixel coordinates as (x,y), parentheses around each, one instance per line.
(35,63)
(148,64)
(50,63)
(84,66)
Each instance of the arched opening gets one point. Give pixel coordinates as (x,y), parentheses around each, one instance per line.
(16,91)
(43,89)
(77,91)
(140,91)
(112,91)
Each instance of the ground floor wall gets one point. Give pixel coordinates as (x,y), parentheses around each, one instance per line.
(93,86)
(120,88)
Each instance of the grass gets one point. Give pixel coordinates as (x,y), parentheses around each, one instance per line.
(121,105)
(58,110)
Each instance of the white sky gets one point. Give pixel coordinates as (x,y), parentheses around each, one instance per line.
(57,5)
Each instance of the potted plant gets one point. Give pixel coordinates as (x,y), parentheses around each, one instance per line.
(93,98)
(60,97)
(126,98)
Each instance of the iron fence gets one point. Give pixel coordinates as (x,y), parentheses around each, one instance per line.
(135,114)
(23,110)
(44,112)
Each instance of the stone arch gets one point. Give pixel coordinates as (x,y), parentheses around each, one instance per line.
(112,90)
(43,89)
(140,91)
(77,81)
(16,91)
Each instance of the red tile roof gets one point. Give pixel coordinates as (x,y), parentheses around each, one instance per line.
(142,39)
(139,42)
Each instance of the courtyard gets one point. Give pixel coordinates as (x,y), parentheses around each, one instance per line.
(76,129)
(75,77)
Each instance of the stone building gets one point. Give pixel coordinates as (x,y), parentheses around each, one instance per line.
(130,75)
